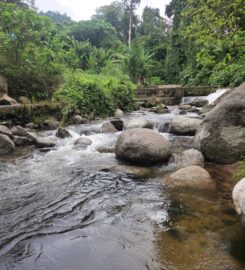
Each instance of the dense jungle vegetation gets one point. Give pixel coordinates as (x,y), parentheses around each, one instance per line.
(97,64)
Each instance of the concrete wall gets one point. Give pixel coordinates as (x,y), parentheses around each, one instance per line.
(171,94)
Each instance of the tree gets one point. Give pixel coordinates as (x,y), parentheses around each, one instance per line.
(57,17)
(130,6)
(99,33)
(28,51)
(152,22)
(20,3)
(112,14)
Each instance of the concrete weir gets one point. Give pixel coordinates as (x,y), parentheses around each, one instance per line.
(170,94)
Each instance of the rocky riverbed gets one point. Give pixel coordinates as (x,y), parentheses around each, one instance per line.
(67,202)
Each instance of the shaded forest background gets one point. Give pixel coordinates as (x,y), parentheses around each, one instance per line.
(47,55)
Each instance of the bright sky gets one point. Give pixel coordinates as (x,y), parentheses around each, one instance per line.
(84,9)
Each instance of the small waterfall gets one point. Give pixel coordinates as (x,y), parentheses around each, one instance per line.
(214,96)
(211,97)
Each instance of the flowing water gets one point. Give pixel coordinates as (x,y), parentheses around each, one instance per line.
(78,209)
(210,98)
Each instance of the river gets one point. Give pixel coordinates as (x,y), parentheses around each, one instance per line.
(79,209)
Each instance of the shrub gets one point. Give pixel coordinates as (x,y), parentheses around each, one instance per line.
(92,93)
(229,75)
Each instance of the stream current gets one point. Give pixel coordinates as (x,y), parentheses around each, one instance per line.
(78,209)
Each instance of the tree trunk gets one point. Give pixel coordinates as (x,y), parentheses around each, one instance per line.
(130,26)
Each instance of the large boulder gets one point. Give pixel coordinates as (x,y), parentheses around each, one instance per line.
(194,177)
(138,122)
(238,196)
(142,146)
(221,136)
(188,158)
(6,145)
(183,125)
(4,98)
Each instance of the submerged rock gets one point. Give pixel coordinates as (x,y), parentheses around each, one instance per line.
(82,142)
(40,142)
(142,146)
(6,145)
(138,122)
(184,107)
(106,149)
(191,177)
(161,109)
(188,158)
(183,125)
(238,196)
(62,133)
(221,136)
(199,102)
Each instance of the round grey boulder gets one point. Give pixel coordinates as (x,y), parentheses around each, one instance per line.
(142,146)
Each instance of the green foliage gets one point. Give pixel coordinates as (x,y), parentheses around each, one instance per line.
(98,32)
(138,63)
(226,75)
(28,52)
(206,42)
(57,17)
(100,94)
